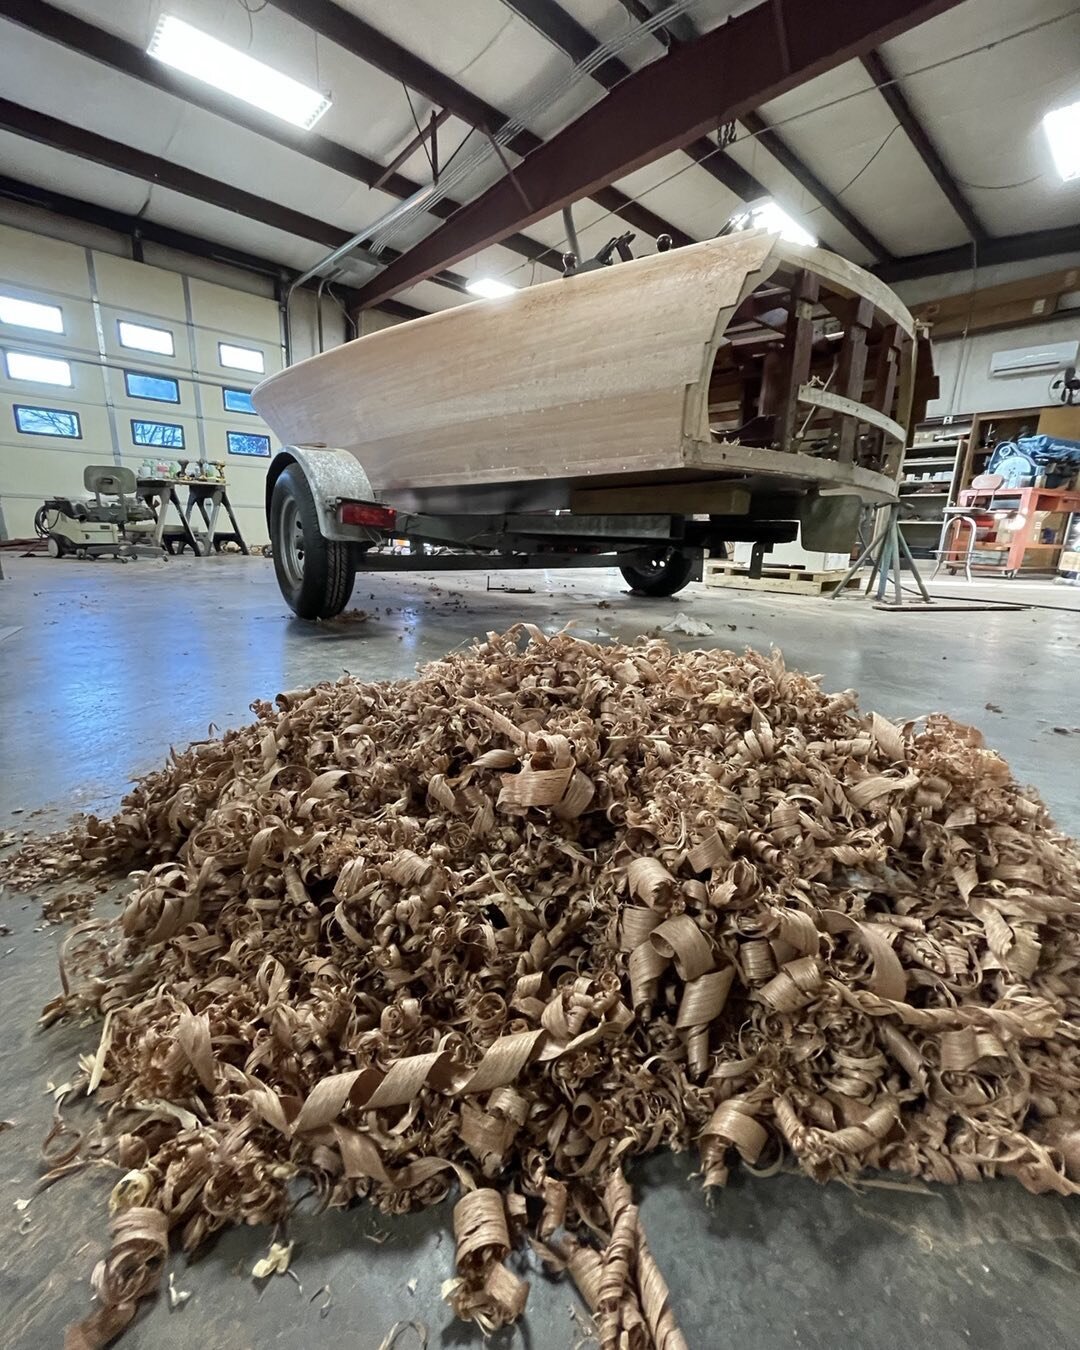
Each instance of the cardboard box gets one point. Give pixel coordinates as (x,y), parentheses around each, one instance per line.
(1060,421)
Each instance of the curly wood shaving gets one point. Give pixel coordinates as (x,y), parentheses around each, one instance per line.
(555,1196)
(485,1291)
(419,1330)
(549,906)
(631,1297)
(275,1262)
(131,1271)
(133,1188)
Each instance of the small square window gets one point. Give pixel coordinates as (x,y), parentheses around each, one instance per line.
(247,443)
(159,387)
(241,358)
(47,422)
(31,314)
(167,434)
(237,400)
(39,369)
(146,339)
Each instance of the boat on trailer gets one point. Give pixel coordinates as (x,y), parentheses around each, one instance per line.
(634,415)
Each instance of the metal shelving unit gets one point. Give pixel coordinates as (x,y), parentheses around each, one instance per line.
(930,479)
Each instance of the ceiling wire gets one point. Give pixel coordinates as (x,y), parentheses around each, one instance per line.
(350,322)
(821,107)
(519,121)
(964,349)
(927,69)
(1000,187)
(250,9)
(852,181)
(460,147)
(416,123)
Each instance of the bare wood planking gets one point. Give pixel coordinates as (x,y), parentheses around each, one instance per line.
(821,398)
(607,373)
(731,457)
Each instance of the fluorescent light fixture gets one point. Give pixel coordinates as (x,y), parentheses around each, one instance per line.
(184,48)
(40,369)
(29,314)
(1062,127)
(488,288)
(146,339)
(769,216)
(241,358)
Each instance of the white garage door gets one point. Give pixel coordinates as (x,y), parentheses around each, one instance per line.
(103,360)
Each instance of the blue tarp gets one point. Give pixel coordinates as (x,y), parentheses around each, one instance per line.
(1018,461)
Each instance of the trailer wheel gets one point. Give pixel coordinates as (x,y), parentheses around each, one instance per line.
(315,574)
(666,571)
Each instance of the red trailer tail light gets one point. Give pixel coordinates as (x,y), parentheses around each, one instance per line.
(364,513)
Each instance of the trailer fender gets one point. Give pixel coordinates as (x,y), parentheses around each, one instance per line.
(334,476)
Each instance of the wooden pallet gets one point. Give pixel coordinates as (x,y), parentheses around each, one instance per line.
(792,580)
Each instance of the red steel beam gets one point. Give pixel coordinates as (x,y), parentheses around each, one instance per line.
(725,74)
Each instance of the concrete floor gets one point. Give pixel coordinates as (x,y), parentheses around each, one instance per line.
(103,666)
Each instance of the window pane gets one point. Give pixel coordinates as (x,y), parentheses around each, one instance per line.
(146,339)
(47,422)
(40,369)
(158,387)
(157,433)
(237,400)
(29,314)
(241,358)
(247,443)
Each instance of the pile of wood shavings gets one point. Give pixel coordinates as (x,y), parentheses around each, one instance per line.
(549,906)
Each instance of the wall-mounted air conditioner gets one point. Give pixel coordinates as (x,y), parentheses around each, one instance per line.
(1031,360)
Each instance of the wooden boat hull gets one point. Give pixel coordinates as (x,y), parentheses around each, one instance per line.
(607,376)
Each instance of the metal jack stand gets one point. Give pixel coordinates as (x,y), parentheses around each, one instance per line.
(885,547)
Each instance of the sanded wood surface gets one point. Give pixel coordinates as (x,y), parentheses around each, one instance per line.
(851,281)
(822,398)
(726,457)
(605,373)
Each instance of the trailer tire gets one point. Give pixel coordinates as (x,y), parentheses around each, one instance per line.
(668,571)
(314,574)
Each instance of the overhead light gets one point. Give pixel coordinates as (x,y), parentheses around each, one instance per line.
(764,214)
(184,48)
(770,217)
(1062,127)
(488,288)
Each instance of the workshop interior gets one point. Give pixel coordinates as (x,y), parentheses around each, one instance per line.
(539,639)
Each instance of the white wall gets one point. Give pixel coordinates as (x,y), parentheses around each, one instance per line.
(963,365)
(201,303)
